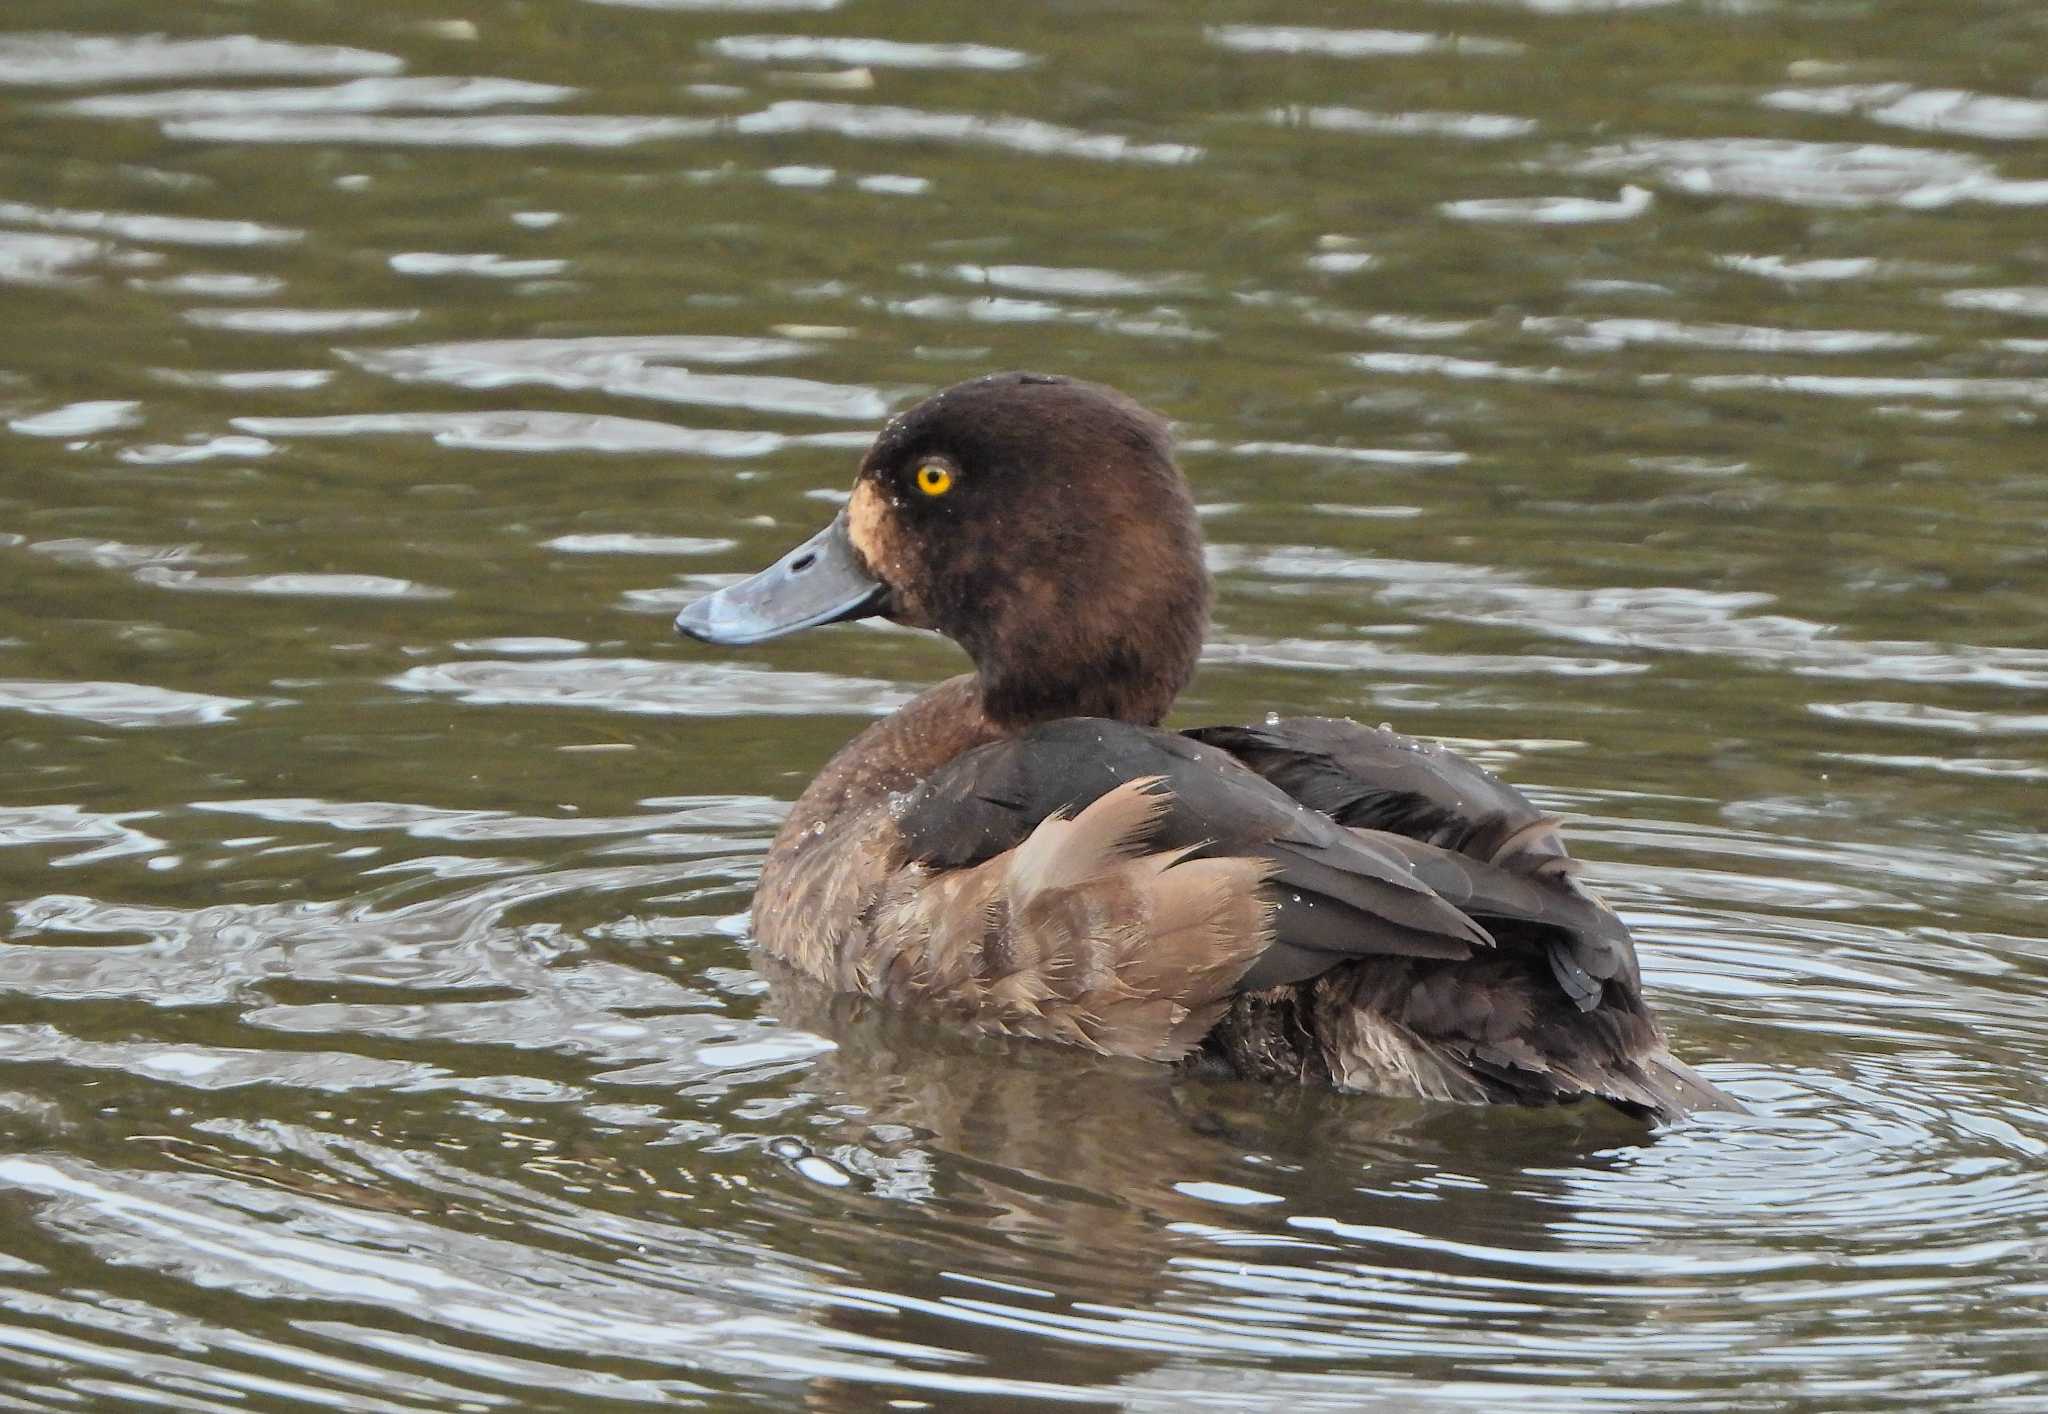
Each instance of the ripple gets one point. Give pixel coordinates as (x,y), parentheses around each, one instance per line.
(1975,767)
(1551,210)
(629,367)
(482,265)
(1380,512)
(643,687)
(118,704)
(1465,127)
(1350,43)
(1571,7)
(1366,456)
(202,449)
(44,260)
(519,431)
(104,837)
(231,1068)
(452,944)
(1813,173)
(1342,262)
(290,585)
(741,7)
(867,53)
(150,230)
(375,95)
(1920,716)
(1773,863)
(569,1023)
(299,321)
(1331,655)
(119,555)
(628,349)
(138,1352)
(79,419)
(82,60)
(494,130)
(626,543)
(1027,135)
(2028,300)
(213,284)
(1407,326)
(998,309)
(528,645)
(1060,280)
(2014,390)
(1928,110)
(640,1289)
(246,379)
(1824,269)
(801,176)
(1662,618)
(1738,338)
(1228,1194)
(892,184)
(1411,365)
(702,814)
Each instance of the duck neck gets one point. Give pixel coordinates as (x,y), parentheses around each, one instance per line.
(1097,644)
(1121,688)
(1091,663)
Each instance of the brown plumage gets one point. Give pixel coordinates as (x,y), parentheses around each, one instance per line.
(1022,850)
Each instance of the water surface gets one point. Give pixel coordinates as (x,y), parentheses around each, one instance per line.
(1644,397)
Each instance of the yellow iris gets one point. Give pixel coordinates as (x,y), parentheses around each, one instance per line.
(934,480)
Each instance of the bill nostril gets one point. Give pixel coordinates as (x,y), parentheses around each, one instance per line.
(802,563)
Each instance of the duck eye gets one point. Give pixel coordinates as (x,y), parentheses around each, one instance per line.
(934,479)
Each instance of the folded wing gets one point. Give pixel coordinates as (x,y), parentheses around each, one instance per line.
(1335,893)
(1495,855)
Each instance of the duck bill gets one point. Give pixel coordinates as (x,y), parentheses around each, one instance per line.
(821,581)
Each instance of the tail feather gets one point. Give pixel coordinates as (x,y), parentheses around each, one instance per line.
(1681,1090)
(1428,1030)
(1652,1085)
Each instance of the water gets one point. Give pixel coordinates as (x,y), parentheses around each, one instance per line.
(1645,398)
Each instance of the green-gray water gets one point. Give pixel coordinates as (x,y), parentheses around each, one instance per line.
(1645,398)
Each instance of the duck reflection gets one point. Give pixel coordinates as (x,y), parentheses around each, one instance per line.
(1074,1197)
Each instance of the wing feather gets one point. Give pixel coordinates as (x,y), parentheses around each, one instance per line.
(1336,893)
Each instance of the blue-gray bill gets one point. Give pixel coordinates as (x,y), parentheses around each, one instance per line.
(821,581)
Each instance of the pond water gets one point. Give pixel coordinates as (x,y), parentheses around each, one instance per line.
(1643,397)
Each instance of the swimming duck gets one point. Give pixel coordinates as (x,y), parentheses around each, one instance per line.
(1024,850)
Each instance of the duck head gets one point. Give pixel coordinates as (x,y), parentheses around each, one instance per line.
(1038,522)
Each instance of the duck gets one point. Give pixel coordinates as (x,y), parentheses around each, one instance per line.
(1025,850)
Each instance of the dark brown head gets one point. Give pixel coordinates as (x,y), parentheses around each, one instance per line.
(1038,522)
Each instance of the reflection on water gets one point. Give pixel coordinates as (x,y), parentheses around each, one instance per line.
(1816,173)
(1643,397)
